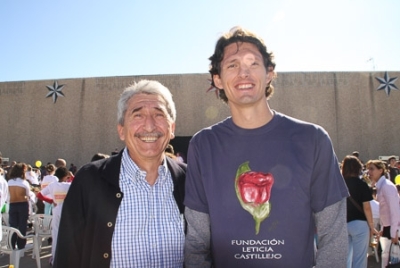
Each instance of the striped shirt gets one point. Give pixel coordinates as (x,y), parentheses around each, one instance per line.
(149,230)
(57,191)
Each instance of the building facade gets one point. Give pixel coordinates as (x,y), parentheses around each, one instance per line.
(76,118)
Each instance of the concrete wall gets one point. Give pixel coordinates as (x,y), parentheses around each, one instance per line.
(347,105)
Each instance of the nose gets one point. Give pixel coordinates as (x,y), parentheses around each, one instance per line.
(149,124)
(243,71)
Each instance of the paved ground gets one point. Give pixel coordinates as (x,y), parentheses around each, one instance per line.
(28,262)
(372,262)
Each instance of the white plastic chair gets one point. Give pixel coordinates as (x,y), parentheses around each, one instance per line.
(16,254)
(4,218)
(42,229)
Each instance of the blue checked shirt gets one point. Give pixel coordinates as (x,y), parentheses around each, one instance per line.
(149,230)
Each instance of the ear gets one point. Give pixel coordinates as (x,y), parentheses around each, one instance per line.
(121,133)
(172,135)
(270,75)
(217,81)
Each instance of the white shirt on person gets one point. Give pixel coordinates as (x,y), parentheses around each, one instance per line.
(20,183)
(47,180)
(56,191)
(3,191)
(375,213)
(32,177)
(374,208)
(3,198)
(32,202)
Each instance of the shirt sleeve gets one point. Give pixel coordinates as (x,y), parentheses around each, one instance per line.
(365,192)
(27,188)
(394,209)
(332,235)
(195,197)
(46,191)
(327,185)
(197,241)
(44,198)
(4,191)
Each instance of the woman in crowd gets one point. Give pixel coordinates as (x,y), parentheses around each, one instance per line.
(49,178)
(55,193)
(19,190)
(389,211)
(360,223)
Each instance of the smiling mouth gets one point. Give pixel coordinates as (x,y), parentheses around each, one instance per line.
(245,86)
(149,137)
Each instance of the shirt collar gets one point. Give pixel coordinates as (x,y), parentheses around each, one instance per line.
(380,182)
(134,173)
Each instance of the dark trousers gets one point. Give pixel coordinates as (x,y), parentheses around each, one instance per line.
(18,218)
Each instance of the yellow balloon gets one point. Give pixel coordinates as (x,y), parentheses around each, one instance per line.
(38,164)
(397,180)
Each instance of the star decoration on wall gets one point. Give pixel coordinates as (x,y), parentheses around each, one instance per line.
(55,91)
(387,83)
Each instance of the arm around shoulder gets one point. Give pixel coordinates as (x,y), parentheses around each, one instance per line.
(197,243)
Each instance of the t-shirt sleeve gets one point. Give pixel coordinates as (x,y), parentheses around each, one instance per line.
(366,194)
(332,235)
(195,197)
(197,240)
(327,183)
(27,188)
(46,191)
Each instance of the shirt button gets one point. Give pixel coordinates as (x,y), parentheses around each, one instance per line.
(118,195)
(109,224)
(105,255)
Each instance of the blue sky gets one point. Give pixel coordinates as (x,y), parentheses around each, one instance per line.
(46,39)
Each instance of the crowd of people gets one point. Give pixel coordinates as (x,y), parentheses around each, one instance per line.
(30,191)
(373,207)
(258,189)
(22,188)
(25,191)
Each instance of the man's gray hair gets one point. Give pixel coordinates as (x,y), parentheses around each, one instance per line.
(147,87)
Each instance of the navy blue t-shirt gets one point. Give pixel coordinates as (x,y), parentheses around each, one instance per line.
(287,168)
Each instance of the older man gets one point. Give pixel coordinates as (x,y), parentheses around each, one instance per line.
(126,210)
